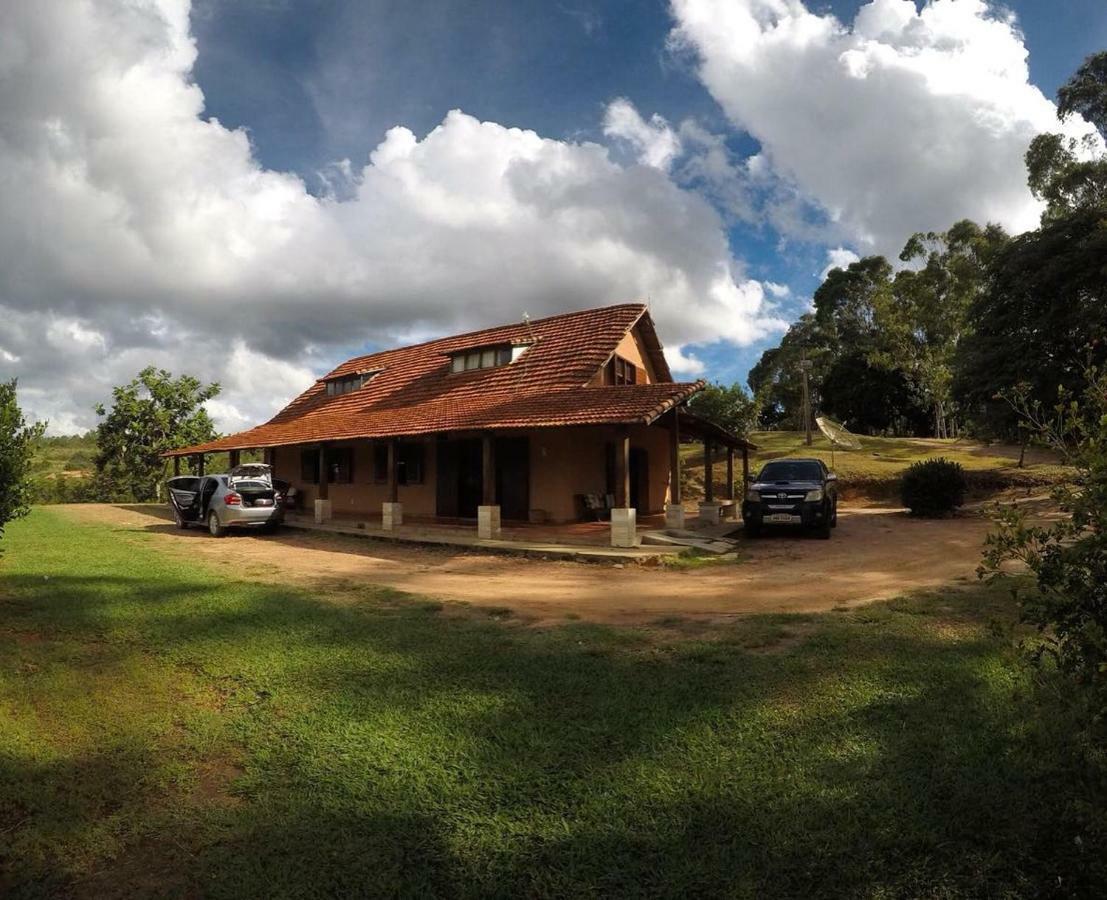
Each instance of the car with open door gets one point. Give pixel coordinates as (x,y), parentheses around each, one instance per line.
(792,492)
(245,497)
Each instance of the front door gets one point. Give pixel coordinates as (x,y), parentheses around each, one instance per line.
(459,477)
(513,477)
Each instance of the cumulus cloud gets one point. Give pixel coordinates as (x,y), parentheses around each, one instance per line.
(655,143)
(906,120)
(136,231)
(838,258)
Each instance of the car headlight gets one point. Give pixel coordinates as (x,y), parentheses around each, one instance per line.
(753,496)
(814,496)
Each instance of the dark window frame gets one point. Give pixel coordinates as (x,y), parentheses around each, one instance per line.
(411,463)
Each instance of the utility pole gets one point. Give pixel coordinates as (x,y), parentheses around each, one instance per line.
(805,367)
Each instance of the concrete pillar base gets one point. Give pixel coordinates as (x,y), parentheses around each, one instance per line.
(322,511)
(674,515)
(624,527)
(392,515)
(488,523)
(709,513)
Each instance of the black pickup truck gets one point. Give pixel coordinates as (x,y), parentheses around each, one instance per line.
(792,492)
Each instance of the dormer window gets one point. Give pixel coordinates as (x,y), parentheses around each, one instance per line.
(620,371)
(486,357)
(345,384)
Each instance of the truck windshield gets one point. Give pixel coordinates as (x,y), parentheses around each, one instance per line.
(792,470)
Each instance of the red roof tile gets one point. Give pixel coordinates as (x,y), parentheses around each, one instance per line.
(415,392)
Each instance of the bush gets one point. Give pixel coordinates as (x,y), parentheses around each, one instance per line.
(935,487)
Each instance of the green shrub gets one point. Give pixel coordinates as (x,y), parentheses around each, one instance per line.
(934,487)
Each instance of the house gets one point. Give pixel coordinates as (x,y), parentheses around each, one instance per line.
(530,421)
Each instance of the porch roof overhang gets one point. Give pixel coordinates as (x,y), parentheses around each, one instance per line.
(642,404)
(700,428)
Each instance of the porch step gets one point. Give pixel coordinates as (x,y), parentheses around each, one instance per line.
(676,538)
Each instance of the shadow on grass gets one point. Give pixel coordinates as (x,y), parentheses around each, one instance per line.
(389,749)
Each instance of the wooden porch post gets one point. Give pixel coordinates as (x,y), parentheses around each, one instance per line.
(176,466)
(488,470)
(324,475)
(267,456)
(708,471)
(674,459)
(622,469)
(745,471)
(200,464)
(393,472)
(234,458)
(730,473)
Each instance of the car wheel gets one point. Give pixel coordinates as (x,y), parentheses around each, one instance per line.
(214,528)
(177,520)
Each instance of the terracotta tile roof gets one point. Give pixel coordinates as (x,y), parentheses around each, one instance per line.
(414,392)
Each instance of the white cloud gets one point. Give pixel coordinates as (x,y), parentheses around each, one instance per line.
(907,120)
(683,364)
(838,258)
(135,231)
(655,143)
(779,291)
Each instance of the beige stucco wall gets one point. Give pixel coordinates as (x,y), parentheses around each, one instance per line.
(564,462)
(361,496)
(569,461)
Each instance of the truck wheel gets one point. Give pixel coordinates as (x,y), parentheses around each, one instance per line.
(214,528)
(834,514)
(752,528)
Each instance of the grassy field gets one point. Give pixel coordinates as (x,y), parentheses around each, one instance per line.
(173,730)
(875,469)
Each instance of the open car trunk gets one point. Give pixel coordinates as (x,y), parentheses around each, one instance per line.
(254,483)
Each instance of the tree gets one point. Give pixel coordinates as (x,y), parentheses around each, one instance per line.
(17,440)
(1041,322)
(776,380)
(1066,172)
(871,399)
(151,414)
(847,300)
(728,406)
(926,317)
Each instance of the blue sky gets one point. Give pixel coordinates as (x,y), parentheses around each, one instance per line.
(320,80)
(162,159)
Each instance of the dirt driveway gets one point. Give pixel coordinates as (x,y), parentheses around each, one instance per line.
(874,554)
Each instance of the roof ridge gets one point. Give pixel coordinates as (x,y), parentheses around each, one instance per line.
(639,305)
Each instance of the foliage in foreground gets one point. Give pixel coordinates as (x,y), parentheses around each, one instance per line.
(17,439)
(933,487)
(189,731)
(1068,557)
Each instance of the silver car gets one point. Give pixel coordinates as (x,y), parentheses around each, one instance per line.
(245,497)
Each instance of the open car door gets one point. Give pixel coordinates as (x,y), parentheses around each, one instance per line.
(184,498)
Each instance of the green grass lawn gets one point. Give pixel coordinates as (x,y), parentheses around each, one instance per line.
(173,730)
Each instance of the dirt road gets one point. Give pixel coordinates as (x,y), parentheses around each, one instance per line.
(874,554)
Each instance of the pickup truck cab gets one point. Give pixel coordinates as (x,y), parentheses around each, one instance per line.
(792,492)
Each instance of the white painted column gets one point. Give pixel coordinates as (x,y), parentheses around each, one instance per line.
(322,511)
(488,523)
(709,513)
(392,515)
(624,527)
(674,515)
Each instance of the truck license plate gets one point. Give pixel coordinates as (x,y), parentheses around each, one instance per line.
(782,517)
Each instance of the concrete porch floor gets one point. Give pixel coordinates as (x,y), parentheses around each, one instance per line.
(579,540)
